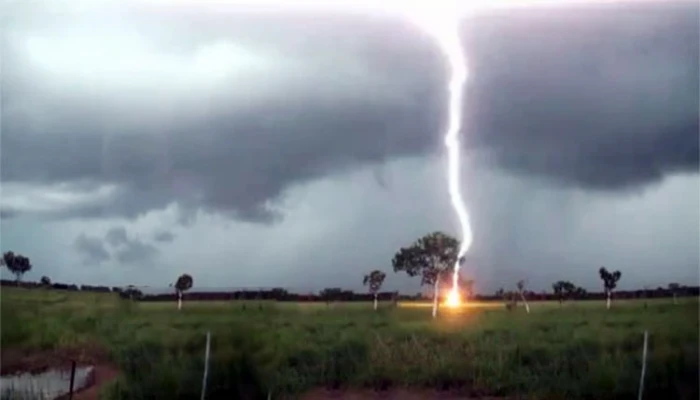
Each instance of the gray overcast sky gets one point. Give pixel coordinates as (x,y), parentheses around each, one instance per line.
(303,150)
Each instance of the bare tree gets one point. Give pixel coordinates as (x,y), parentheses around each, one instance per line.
(521,290)
(374,280)
(609,283)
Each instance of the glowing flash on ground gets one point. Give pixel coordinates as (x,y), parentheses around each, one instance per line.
(453,299)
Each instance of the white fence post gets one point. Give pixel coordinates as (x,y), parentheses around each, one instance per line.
(206,365)
(644,365)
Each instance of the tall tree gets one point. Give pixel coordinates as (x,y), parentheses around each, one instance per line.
(609,283)
(569,290)
(183,284)
(674,287)
(17,264)
(521,290)
(563,290)
(374,280)
(131,292)
(432,257)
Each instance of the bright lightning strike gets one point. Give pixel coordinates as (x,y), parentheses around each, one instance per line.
(452,47)
(444,27)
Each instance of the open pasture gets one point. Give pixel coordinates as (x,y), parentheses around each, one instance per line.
(574,351)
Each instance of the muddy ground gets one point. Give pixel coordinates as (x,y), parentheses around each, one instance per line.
(13,361)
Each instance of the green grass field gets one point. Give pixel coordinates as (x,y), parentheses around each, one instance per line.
(576,351)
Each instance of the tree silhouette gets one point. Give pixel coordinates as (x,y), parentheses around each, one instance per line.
(45,281)
(569,289)
(563,290)
(521,290)
(580,293)
(374,280)
(432,257)
(609,282)
(17,264)
(131,293)
(674,288)
(183,284)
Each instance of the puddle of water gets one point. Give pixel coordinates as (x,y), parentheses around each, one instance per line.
(46,385)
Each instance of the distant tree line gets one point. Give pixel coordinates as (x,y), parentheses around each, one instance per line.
(338,294)
(431,258)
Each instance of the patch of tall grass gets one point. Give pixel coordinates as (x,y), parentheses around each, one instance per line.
(578,351)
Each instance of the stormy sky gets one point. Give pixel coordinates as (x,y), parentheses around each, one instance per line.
(302,150)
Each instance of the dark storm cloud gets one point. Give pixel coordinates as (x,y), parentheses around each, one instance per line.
(7,213)
(136,252)
(606,99)
(130,250)
(603,98)
(92,249)
(164,237)
(116,236)
(126,250)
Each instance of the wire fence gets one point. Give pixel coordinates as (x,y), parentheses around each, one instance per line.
(50,384)
(194,378)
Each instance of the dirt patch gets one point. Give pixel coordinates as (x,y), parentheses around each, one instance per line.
(16,360)
(392,394)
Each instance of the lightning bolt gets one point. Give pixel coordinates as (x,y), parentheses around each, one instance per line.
(454,52)
(444,28)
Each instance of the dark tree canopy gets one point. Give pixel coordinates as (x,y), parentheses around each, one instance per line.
(45,280)
(374,280)
(580,293)
(131,292)
(428,257)
(609,278)
(184,283)
(563,290)
(16,263)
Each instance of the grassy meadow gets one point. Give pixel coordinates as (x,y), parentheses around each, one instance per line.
(575,351)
